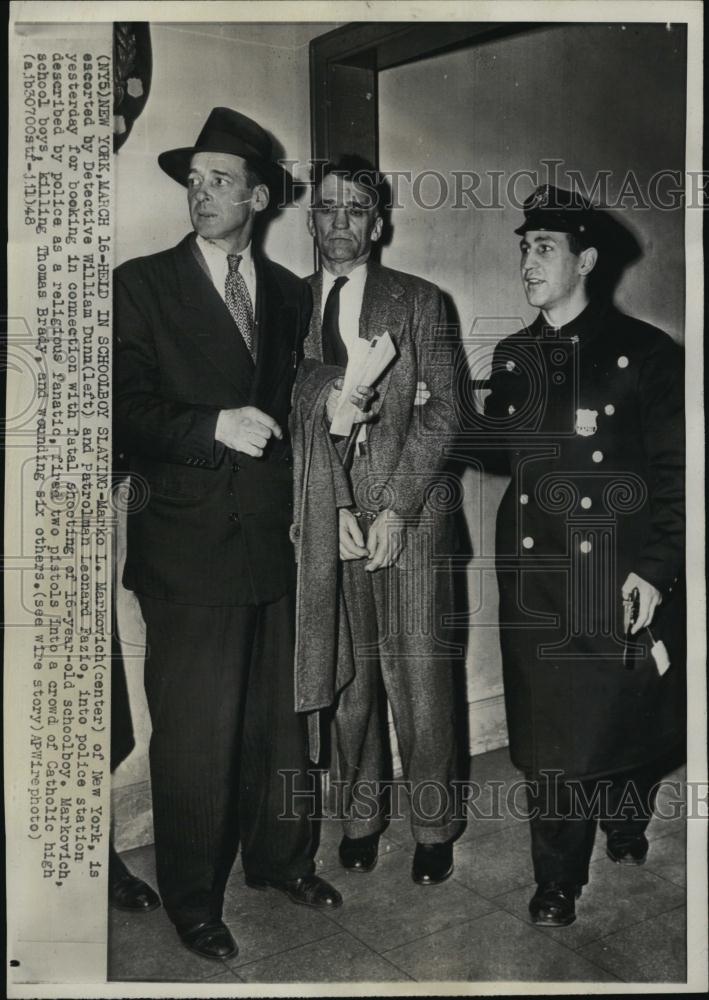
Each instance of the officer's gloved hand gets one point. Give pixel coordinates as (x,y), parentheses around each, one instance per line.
(648,599)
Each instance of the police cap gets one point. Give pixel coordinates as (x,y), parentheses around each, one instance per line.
(558,211)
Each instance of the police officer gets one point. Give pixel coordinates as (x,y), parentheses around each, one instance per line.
(587,406)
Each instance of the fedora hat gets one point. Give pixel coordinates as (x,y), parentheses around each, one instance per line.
(228,131)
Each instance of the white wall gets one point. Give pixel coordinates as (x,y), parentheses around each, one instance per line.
(260,70)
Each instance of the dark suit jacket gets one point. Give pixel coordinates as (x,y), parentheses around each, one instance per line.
(209,525)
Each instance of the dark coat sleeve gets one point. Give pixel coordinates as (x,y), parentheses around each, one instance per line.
(147,423)
(661,400)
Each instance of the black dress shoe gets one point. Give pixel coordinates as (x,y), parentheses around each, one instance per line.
(554,904)
(128,892)
(210,939)
(433,863)
(360,854)
(626,849)
(310,890)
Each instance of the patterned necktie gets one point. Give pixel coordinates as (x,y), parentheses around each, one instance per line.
(334,351)
(238,302)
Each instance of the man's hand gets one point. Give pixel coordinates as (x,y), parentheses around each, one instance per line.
(351,538)
(385,540)
(361,397)
(422,394)
(650,597)
(246,429)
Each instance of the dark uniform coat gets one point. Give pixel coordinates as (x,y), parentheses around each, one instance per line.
(214,529)
(591,420)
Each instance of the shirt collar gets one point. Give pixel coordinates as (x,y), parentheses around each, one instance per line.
(214,253)
(355,279)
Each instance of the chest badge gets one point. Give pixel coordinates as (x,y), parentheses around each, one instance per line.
(586,422)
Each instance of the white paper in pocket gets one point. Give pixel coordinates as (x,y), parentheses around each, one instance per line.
(661,657)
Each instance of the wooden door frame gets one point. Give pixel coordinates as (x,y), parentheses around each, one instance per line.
(345,65)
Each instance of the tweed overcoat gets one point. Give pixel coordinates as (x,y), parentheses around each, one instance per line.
(210,526)
(591,420)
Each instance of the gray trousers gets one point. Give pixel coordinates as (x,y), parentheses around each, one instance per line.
(399,655)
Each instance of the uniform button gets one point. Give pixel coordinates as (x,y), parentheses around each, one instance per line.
(585,547)
(511,409)
(609,409)
(523,498)
(585,502)
(623,361)
(233,516)
(510,366)
(528,542)
(575,339)
(597,456)
(235,467)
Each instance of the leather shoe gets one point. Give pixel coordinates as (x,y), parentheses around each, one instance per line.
(359,854)
(131,893)
(433,863)
(554,904)
(210,939)
(627,850)
(310,890)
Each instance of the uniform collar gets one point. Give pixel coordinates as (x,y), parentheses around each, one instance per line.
(584,327)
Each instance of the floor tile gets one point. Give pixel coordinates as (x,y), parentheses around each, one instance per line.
(671,806)
(473,927)
(668,857)
(493,865)
(615,897)
(384,908)
(495,947)
(491,804)
(340,959)
(144,947)
(265,923)
(227,976)
(651,952)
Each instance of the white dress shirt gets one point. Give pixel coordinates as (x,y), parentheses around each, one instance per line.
(216,261)
(351,295)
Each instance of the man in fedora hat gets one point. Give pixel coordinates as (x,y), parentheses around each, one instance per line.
(587,406)
(209,335)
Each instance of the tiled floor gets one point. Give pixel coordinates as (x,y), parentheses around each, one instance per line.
(474,927)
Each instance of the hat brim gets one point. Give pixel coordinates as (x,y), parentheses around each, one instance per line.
(550,222)
(280,183)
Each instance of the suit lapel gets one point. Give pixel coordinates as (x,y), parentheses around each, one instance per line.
(209,321)
(313,343)
(383,309)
